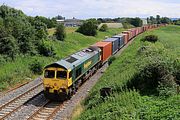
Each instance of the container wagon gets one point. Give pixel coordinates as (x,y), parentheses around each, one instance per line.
(121,40)
(106,50)
(128,35)
(115,44)
(125,38)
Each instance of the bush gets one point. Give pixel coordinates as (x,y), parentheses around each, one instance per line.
(46,50)
(2,60)
(154,78)
(137,22)
(88,28)
(176,72)
(127,25)
(103,28)
(36,67)
(60,32)
(150,38)
(111,59)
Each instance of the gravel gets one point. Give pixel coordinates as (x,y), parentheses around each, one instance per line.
(13,94)
(28,108)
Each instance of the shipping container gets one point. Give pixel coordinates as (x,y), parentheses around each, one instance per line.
(137,31)
(125,38)
(121,40)
(133,32)
(106,50)
(115,44)
(128,34)
(141,30)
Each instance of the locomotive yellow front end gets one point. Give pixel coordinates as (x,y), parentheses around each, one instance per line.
(56,82)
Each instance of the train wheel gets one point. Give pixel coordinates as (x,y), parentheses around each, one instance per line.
(70,93)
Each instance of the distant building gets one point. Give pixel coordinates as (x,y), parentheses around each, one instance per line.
(71,22)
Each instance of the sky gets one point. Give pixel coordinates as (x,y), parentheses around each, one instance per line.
(84,9)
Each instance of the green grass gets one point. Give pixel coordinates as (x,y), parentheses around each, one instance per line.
(127,104)
(67,29)
(12,73)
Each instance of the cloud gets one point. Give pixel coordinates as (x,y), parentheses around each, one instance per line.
(97,8)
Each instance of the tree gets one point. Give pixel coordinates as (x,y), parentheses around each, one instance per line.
(165,20)
(21,34)
(59,17)
(137,22)
(60,32)
(7,43)
(26,42)
(152,20)
(46,49)
(103,28)
(41,29)
(1,22)
(158,19)
(89,28)
(177,22)
(50,23)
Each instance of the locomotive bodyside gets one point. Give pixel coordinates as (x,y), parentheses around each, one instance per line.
(62,78)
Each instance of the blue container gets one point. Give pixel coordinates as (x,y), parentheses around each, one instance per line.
(121,40)
(115,44)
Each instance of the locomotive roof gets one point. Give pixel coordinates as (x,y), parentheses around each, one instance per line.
(76,58)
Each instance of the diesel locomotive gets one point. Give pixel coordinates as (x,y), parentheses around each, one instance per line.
(62,78)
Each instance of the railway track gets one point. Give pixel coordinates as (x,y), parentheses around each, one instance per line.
(47,111)
(10,90)
(14,104)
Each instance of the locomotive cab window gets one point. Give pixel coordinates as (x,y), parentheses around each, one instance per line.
(61,74)
(49,73)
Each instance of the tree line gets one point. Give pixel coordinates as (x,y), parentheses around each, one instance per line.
(158,20)
(21,34)
(176,22)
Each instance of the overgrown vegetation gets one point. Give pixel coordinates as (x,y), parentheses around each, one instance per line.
(127,25)
(137,22)
(36,67)
(150,38)
(60,32)
(176,22)
(89,28)
(143,79)
(111,60)
(103,28)
(21,34)
(158,20)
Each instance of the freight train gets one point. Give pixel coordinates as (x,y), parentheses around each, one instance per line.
(62,78)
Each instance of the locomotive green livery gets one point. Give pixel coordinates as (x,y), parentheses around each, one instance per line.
(62,78)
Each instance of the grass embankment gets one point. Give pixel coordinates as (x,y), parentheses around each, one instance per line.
(12,73)
(146,102)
